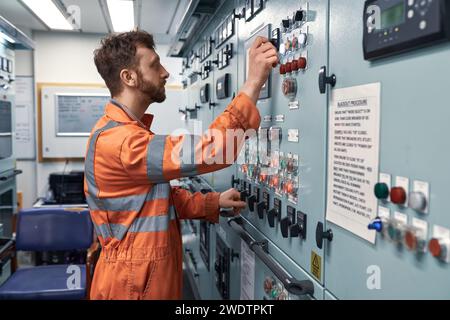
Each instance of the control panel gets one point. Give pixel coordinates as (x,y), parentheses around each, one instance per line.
(345,180)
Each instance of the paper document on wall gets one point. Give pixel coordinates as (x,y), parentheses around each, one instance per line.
(353,156)
(247,272)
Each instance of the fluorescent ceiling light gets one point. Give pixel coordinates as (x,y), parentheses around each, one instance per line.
(6,37)
(47,11)
(122,14)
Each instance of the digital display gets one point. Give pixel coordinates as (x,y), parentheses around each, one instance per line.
(393,16)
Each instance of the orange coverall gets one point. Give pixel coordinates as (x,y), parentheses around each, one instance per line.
(134,209)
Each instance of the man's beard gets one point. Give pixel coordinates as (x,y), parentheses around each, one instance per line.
(151,91)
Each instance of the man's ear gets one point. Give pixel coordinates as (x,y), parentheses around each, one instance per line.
(128,77)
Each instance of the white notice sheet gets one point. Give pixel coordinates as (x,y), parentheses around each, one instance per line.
(353,156)
(247,272)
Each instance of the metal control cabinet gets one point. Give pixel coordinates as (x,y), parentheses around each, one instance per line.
(413,144)
(287,191)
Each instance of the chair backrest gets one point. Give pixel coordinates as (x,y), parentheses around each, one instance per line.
(53,230)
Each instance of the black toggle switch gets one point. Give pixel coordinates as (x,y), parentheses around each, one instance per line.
(271,217)
(260,208)
(285,225)
(251,203)
(244,195)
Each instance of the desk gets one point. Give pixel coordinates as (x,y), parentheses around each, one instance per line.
(40,203)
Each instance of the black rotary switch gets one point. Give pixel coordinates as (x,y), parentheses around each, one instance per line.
(321,234)
(260,208)
(286,23)
(251,203)
(271,217)
(295,230)
(285,225)
(234,181)
(299,15)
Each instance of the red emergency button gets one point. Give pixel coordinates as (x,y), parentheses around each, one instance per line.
(398,195)
(435,248)
(282,69)
(262,177)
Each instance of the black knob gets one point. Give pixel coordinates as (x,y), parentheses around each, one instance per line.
(324,79)
(251,203)
(271,217)
(299,15)
(260,208)
(321,234)
(207,68)
(285,223)
(234,181)
(286,23)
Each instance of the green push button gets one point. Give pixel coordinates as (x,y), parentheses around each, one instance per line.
(381,191)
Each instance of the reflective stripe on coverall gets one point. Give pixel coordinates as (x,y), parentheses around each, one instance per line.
(134,209)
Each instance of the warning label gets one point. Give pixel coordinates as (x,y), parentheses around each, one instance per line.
(316,265)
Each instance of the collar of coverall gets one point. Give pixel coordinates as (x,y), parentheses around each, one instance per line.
(120,113)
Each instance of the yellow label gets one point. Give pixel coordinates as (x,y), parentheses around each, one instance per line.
(316,265)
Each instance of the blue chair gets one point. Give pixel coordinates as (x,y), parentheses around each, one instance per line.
(52,230)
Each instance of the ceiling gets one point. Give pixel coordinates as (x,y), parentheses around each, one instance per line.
(158,17)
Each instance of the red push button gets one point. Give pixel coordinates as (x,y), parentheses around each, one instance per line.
(398,195)
(411,240)
(289,67)
(295,65)
(282,69)
(435,248)
(301,63)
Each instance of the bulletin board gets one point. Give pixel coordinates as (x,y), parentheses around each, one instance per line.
(66,115)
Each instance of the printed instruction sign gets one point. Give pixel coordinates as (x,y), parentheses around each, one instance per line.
(353,158)
(247,272)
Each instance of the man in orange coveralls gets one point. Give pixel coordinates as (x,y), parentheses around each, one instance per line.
(128,168)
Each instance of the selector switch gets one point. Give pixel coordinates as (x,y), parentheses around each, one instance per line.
(287,222)
(398,195)
(262,206)
(275,212)
(417,201)
(271,214)
(299,15)
(251,203)
(381,191)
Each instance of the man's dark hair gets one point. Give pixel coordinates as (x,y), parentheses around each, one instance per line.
(117,52)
